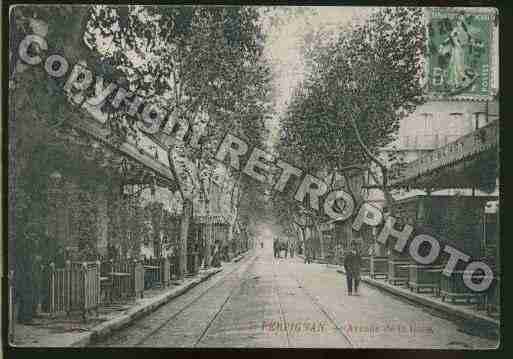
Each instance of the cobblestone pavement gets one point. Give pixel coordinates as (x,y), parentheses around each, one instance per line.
(263,302)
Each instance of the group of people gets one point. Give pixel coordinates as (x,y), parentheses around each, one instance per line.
(286,246)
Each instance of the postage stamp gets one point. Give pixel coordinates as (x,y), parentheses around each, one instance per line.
(460,52)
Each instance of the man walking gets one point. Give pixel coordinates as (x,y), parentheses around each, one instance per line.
(276,247)
(352,262)
(308,253)
(216,259)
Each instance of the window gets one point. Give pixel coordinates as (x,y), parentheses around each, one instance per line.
(480,119)
(456,123)
(427,121)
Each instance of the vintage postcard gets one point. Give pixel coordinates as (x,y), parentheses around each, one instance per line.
(253,177)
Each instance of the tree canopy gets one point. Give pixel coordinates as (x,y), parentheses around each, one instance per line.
(358,86)
(204,63)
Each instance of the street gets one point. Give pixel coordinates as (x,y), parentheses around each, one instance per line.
(263,302)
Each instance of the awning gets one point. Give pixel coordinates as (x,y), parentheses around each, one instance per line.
(464,163)
(94,128)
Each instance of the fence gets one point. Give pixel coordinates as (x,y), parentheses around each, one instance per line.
(424,276)
(398,271)
(379,267)
(152,273)
(73,288)
(366,265)
(79,285)
(192,263)
(493,298)
(454,288)
(122,279)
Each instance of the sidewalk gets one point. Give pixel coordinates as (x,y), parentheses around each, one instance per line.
(466,312)
(461,311)
(73,332)
(239,257)
(317,260)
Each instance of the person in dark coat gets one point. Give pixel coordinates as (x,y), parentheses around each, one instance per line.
(276,248)
(216,260)
(308,253)
(352,263)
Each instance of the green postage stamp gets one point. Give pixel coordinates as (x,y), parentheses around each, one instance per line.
(460,53)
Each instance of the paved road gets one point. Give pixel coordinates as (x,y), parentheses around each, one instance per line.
(248,304)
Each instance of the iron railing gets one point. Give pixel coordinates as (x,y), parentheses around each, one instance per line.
(76,287)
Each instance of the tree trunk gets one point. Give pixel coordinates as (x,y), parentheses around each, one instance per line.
(184,232)
(389,200)
(208,237)
(318,235)
(235,217)
(230,237)
(184,223)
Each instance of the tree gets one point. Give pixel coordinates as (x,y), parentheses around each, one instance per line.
(359,85)
(250,205)
(35,112)
(203,63)
(218,70)
(155,212)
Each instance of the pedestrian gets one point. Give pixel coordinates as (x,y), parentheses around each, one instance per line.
(276,247)
(308,254)
(292,250)
(352,263)
(261,244)
(216,260)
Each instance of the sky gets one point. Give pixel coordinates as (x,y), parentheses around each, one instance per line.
(285,27)
(282,47)
(283,43)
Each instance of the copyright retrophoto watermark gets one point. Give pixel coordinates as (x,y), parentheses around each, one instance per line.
(228,163)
